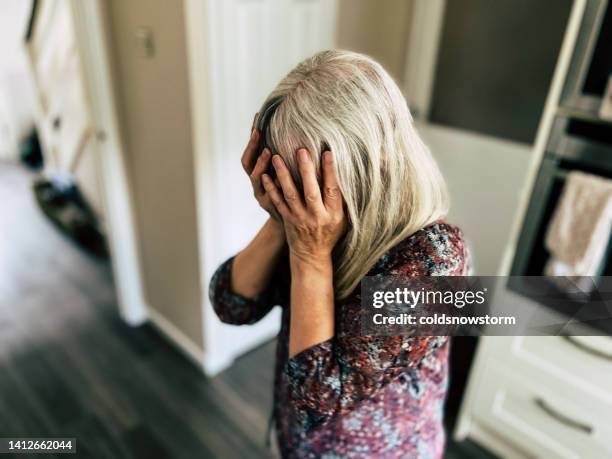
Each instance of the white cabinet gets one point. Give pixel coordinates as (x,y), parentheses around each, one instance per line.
(548,397)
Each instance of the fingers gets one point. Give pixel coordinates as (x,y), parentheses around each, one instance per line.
(332,198)
(276,197)
(312,192)
(290,192)
(250,152)
(261,166)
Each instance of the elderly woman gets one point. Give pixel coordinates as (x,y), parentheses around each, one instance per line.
(352,191)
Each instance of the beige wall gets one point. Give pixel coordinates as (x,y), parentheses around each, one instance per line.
(153,98)
(377,28)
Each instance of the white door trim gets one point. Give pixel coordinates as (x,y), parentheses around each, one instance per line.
(197,38)
(422,55)
(89,28)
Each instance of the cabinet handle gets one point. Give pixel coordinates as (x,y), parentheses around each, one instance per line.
(587,349)
(562,418)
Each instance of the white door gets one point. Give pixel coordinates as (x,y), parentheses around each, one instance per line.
(250,46)
(63,116)
(254,44)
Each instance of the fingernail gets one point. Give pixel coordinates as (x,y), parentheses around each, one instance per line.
(277,161)
(265,154)
(265,178)
(327,156)
(303,155)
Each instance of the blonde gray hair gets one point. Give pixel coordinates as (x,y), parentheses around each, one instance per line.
(392,187)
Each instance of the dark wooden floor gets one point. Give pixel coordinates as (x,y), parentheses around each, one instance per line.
(69,366)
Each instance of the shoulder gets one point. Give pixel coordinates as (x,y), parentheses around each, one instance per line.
(438,249)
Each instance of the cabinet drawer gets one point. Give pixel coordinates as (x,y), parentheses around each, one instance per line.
(583,361)
(540,419)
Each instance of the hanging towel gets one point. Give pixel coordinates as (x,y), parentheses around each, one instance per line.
(578,233)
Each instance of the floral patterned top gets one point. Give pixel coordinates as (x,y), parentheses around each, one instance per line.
(358,396)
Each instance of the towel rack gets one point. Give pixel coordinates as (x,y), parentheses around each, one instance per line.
(561,172)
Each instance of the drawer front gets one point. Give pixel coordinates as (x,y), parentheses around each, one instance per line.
(583,361)
(540,418)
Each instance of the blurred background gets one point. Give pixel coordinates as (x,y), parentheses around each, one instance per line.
(122,123)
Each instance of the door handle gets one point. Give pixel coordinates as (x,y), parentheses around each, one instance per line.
(588,349)
(562,418)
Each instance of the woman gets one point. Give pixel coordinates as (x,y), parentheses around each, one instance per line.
(351,191)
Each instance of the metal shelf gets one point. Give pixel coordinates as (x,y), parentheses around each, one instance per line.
(583,115)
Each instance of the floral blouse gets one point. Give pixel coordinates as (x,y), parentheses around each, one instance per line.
(358,396)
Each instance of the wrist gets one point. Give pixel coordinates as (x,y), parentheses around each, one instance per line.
(275,230)
(312,263)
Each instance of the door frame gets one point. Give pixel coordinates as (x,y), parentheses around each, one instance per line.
(199,52)
(422,55)
(89,21)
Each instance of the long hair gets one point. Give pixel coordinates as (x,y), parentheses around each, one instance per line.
(392,187)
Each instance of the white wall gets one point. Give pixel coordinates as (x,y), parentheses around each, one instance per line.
(485,176)
(16,90)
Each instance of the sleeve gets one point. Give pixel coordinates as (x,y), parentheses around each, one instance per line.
(233,308)
(335,375)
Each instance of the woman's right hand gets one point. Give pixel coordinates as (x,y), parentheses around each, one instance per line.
(255,166)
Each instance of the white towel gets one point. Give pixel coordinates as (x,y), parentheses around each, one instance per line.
(578,233)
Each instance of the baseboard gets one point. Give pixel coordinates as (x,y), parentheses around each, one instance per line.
(218,358)
(213,364)
(136,316)
(181,341)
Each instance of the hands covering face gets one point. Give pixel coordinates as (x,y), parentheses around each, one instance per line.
(314,221)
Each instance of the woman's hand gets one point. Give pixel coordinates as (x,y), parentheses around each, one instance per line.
(313,226)
(254,167)
(314,223)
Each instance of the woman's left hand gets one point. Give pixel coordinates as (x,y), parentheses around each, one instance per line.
(315,222)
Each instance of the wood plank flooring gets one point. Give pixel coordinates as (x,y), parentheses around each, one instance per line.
(70,367)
